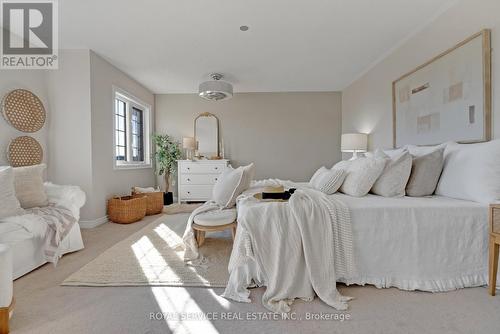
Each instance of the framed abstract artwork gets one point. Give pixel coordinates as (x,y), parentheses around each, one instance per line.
(447,98)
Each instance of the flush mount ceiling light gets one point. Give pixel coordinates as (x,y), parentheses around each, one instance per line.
(216,90)
(244,28)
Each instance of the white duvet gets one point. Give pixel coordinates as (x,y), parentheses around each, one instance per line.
(296,249)
(430,243)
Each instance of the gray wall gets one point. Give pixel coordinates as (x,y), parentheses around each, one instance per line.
(367,103)
(70,158)
(286,135)
(106,180)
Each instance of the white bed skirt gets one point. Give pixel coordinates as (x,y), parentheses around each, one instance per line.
(433,244)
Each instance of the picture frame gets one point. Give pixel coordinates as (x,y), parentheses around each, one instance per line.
(446,98)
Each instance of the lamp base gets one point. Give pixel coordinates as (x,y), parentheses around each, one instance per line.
(355,156)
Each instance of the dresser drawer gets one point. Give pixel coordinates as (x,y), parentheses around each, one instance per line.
(198,168)
(199,179)
(196,192)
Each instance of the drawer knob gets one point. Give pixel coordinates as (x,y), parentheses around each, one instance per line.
(189,192)
(189,180)
(216,179)
(188,168)
(216,168)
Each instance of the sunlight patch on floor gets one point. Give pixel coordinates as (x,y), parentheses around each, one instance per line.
(176,303)
(169,236)
(151,261)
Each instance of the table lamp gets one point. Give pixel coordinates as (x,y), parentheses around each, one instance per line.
(189,144)
(355,143)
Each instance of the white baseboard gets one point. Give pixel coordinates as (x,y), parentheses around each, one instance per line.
(93,223)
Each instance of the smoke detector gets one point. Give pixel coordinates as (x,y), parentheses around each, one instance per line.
(215,89)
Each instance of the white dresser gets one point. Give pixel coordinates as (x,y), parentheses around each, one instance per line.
(197,178)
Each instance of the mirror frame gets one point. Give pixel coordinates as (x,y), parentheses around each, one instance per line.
(207,114)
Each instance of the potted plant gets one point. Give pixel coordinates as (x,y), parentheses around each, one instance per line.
(167,153)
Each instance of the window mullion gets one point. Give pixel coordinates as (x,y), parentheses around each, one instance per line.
(129,132)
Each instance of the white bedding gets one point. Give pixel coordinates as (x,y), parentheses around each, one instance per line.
(431,243)
(295,249)
(428,243)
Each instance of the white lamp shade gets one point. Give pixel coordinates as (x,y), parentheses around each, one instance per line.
(354,142)
(189,143)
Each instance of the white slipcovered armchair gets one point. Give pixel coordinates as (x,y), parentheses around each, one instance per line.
(6,291)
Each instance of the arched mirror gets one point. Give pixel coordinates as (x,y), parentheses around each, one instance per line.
(206,133)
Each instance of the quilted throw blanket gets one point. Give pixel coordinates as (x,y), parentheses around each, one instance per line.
(297,250)
(59,222)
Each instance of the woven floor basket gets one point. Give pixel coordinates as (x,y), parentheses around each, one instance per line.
(126,210)
(154,202)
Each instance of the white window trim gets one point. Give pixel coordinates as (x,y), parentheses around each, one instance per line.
(148,126)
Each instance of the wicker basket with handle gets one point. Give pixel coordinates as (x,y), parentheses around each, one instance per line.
(154,201)
(127,209)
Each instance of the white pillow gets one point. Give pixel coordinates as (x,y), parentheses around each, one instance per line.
(9,204)
(327,181)
(28,182)
(231,183)
(361,175)
(392,182)
(316,175)
(248,174)
(395,152)
(471,172)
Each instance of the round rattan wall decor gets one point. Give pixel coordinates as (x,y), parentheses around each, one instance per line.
(23,110)
(25,151)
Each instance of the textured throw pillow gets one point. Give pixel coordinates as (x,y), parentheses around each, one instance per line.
(471,172)
(316,175)
(392,182)
(28,182)
(425,172)
(9,204)
(231,183)
(328,181)
(361,175)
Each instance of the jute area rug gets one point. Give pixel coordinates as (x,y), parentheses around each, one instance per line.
(153,256)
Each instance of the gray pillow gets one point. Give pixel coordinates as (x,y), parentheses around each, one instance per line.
(425,172)
(392,182)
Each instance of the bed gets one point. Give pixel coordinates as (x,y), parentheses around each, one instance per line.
(433,243)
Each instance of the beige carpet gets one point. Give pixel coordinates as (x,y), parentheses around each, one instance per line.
(176,208)
(43,306)
(154,256)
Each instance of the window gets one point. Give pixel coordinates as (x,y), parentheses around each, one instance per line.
(131,132)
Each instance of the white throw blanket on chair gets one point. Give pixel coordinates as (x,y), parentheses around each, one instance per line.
(296,249)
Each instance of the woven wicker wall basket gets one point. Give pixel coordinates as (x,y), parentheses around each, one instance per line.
(25,151)
(23,110)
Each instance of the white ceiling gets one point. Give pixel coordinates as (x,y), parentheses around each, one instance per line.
(170,46)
